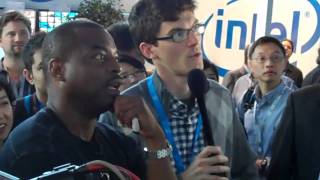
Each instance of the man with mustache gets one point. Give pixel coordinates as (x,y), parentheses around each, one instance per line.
(82,77)
(267,62)
(15,30)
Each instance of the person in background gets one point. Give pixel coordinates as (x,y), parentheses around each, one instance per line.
(229,80)
(132,71)
(121,34)
(6,105)
(15,30)
(33,71)
(130,61)
(243,90)
(292,71)
(168,33)
(210,70)
(267,62)
(313,77)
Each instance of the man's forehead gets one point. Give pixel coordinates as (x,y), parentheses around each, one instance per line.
(94,37)
(11,24)
(186,20)
(267,48)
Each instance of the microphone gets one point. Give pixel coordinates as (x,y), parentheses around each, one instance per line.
(199,86)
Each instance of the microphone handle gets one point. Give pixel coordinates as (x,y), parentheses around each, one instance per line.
(207,133)
(206,129)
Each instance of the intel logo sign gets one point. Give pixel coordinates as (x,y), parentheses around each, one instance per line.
(232,24)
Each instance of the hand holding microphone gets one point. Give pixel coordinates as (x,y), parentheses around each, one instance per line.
(211,159)
(210,163)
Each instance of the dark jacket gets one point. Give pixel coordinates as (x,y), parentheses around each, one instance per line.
(295,74)
(312,77)
(296,148)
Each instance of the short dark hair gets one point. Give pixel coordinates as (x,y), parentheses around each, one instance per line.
(132,61)
(290,41)
(264,40)
(6,86)
(207,64)
(121,35)
(34,44)
(146,17)
(14,16)
(60,43)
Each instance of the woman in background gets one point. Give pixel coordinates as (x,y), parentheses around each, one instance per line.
(6,102)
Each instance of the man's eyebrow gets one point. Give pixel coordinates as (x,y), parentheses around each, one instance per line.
(178,28)
(99,47)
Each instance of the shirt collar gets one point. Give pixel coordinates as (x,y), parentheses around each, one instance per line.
(271,95)
(165,96)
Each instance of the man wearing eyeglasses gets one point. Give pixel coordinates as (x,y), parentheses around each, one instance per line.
(267,62)
(168,33)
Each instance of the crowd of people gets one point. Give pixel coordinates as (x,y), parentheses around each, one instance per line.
(82,93)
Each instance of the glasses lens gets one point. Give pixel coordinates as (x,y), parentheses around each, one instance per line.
(180,35)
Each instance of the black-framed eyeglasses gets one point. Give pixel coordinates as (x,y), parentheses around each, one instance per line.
(132,76)
(274,58)
(180,35)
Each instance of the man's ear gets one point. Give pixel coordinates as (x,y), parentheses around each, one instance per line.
(28,75)
(56,69)
(147,50)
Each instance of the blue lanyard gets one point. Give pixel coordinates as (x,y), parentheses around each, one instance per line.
(164,122)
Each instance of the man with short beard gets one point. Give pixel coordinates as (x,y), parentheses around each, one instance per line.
(15,30)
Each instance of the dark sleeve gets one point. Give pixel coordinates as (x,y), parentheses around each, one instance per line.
(228,81)
(299,79)
(282,159)
(19,113)
(312,78)
(307,80)
(23,165)
(243,160)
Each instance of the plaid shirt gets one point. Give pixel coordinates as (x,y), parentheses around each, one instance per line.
(183,123)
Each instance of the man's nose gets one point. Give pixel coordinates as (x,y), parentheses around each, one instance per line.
(18,37)
(193,38)
(114,66)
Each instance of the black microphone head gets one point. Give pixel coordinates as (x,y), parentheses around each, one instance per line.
(198,83)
